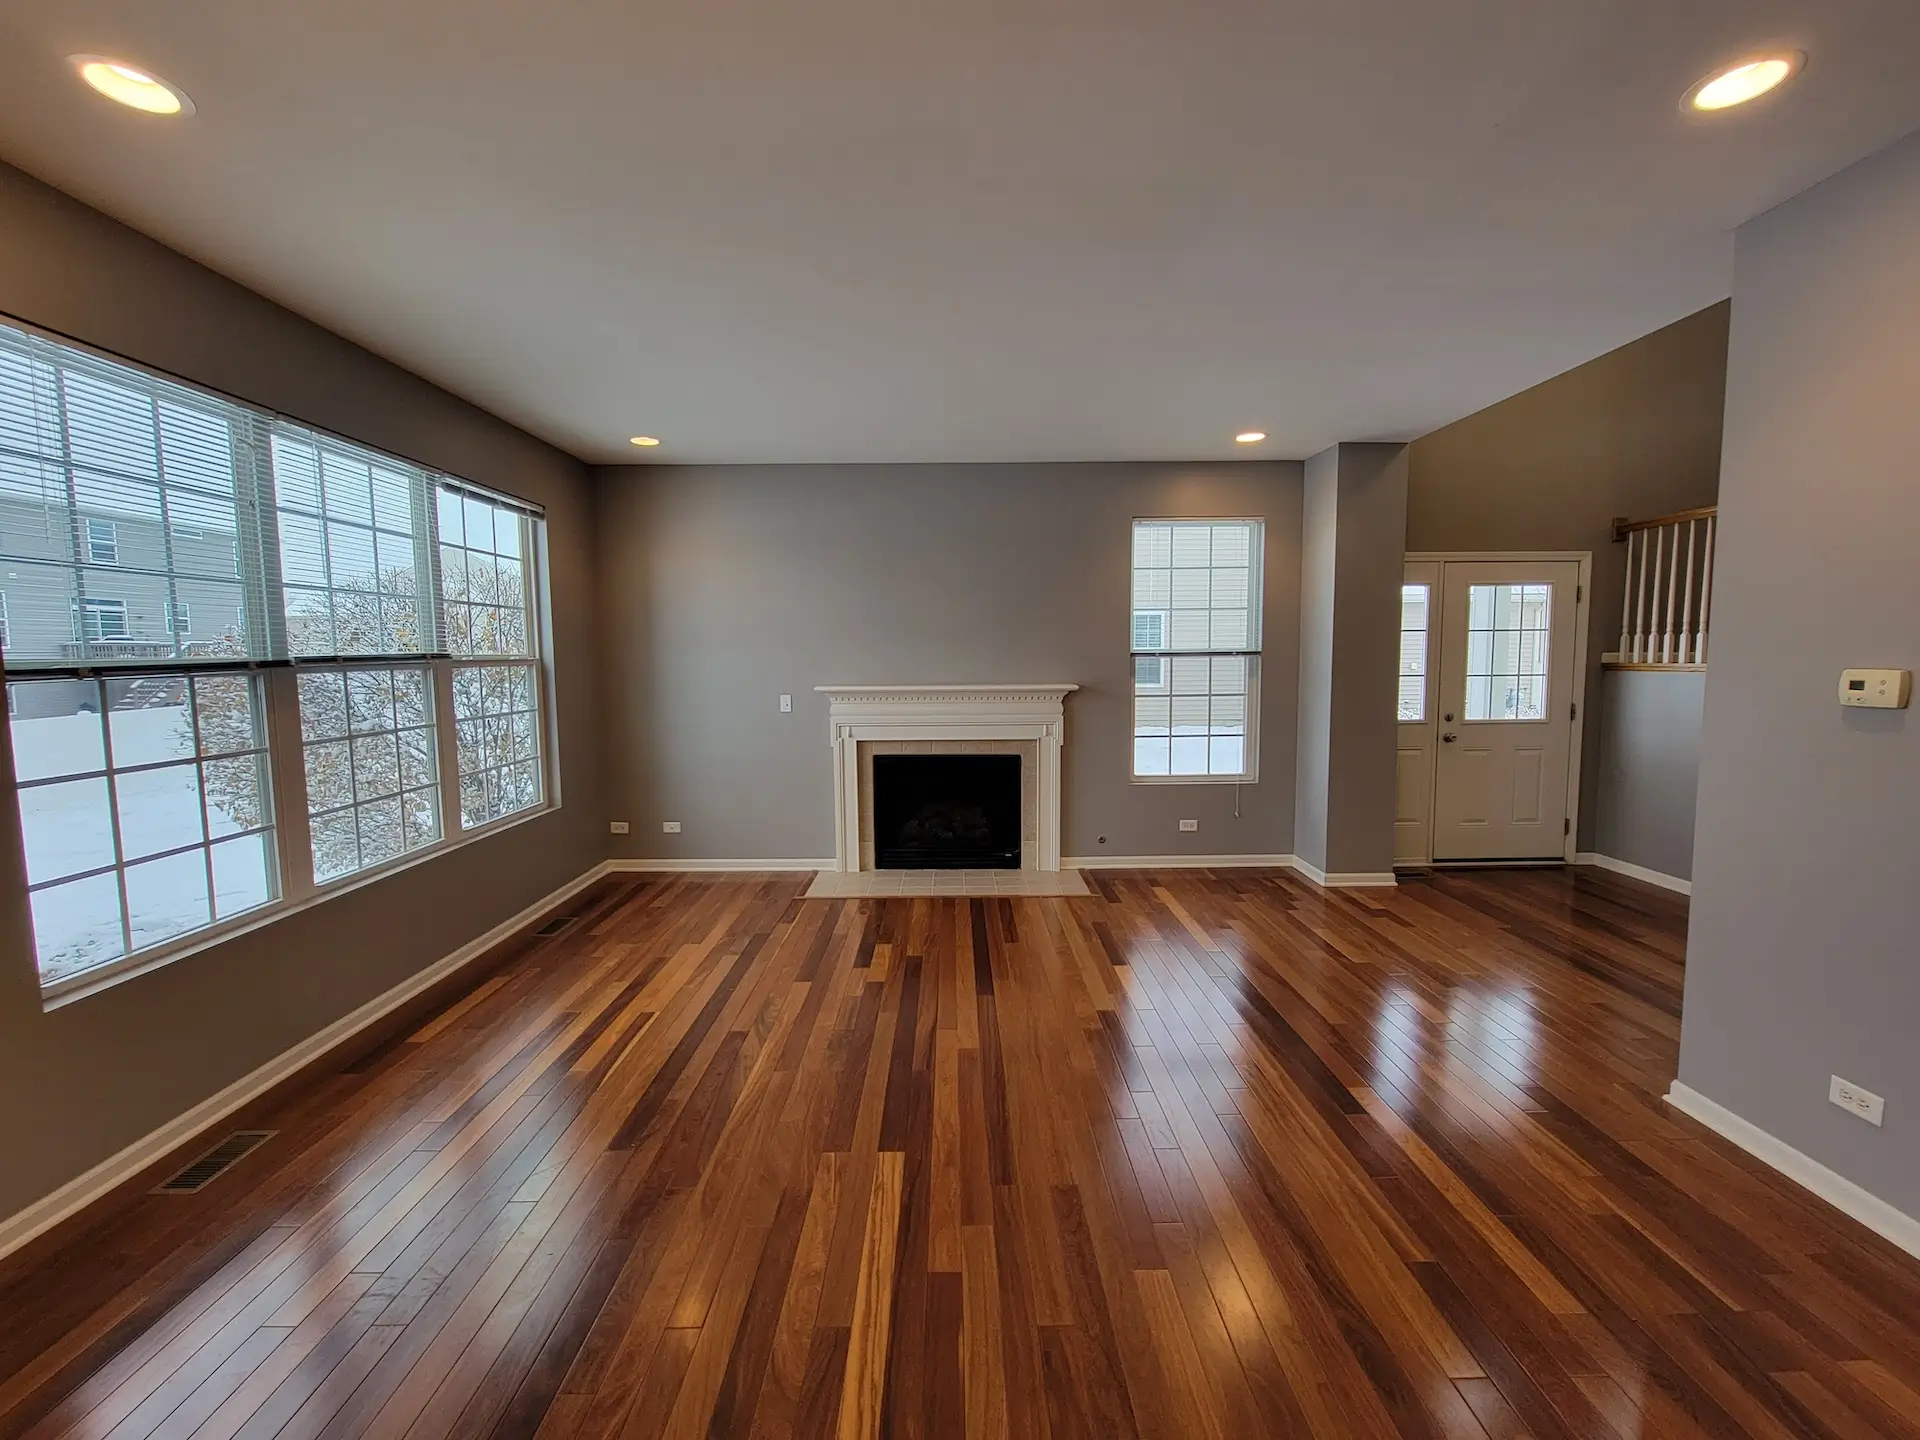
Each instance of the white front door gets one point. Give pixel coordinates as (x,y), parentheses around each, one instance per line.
(1505,706)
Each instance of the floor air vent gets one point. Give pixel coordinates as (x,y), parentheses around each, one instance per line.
(556,925)
(210,1166)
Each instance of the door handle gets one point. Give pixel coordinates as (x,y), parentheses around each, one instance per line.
(1449,737)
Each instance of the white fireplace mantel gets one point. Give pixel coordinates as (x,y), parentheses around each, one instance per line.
(944,713)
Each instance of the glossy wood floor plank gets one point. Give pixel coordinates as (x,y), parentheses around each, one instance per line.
(1204,1154)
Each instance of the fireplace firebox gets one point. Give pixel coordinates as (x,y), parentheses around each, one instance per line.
(946,812)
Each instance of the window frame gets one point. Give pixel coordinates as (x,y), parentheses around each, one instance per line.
(1249,773)
(277,679)
(92,526)
(99,605)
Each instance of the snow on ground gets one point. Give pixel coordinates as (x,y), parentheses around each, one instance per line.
(69,829)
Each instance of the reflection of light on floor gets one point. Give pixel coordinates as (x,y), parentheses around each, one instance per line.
(1499,1028)
(1398,1046)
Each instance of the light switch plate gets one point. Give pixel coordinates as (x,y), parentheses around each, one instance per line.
(1876,689)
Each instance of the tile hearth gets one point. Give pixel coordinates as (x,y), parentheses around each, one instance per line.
(853,884)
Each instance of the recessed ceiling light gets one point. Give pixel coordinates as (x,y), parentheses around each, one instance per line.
(131,85)
(1250,437)
(1748,80)
(646,442)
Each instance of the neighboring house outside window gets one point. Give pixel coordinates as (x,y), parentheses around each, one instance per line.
(179,618)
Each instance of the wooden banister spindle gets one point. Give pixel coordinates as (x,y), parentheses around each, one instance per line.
(1626,602)
(1673,598)
(1686,610)
(1640,604)
(1706,593)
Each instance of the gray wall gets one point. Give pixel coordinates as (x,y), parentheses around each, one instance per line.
(725,586)
(1801,962)
(85,1080)
(1354,528)
(1634,433)
(1649,764)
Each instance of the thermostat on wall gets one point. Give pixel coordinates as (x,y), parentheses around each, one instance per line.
(1876,689)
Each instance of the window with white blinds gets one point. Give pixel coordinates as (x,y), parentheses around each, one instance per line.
(1196,648)
(153,536)
(123,497)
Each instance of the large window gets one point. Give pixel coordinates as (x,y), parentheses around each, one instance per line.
(1196,649)
(179,568)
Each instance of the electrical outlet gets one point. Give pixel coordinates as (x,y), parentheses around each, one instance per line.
(1855,1101)
(670,827)
(1187,827)
(786,704)
(618,827)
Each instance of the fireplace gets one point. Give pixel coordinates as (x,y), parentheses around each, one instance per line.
(867,722)
(946,812)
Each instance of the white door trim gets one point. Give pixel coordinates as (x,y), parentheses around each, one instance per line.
(1581,618)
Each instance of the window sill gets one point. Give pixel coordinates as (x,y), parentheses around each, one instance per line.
(1196,779)
(64,992)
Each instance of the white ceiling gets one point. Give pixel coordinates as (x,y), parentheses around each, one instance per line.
(961,229)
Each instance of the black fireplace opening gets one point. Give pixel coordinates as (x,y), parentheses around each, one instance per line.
(946,812)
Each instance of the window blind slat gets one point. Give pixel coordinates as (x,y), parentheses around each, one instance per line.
(129,501)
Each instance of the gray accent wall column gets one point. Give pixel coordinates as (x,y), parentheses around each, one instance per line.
(1801,954)
(1354,522)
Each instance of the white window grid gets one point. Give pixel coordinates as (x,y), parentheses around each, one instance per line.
(1508,629)
(116,864)
(500,755)
(371,764)
(179,618)
(1196,587)
(352,532)
(1416,607)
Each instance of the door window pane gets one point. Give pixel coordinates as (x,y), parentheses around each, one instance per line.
(1507,629)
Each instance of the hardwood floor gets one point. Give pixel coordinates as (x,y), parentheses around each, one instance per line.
(1204,1154)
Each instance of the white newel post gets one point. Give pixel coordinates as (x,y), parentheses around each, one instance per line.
(952,714)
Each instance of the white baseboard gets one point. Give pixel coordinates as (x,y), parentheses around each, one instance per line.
(116,1170)
(1177,862)
(1634,872)
(1344,879)
(649,866)
(1830,1185)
